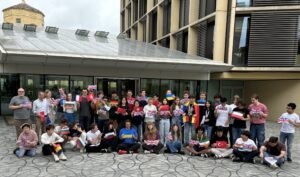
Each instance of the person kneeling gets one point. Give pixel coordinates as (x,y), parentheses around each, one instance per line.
(94,140)
(219,144)
(52,144)
(128,137)
(151,140)
(272,153)
(174,139)
(199,143)
(27,142)
(244,148)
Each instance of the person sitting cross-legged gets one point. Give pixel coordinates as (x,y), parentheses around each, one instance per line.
(219,143)
(199,144)
(244,148)
(128,137)
(94,137)
(272,153)
(52,144)
(27,142)
(152,142)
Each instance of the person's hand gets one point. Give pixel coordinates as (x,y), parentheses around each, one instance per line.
(291,121)
(261,155)
(226,122)
(214,145)
(117,112)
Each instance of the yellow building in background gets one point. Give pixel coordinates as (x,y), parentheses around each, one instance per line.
(23,14)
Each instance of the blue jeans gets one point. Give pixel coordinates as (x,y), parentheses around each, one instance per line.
(176,120)
(189,132)
(139,130)
(21,152)
(174,146)
(236,133)
(279,162)
(257,132)
(208,130)
(289,138)
(70,117)
(164,128)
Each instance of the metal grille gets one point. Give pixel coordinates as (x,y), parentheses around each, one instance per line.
(275,2)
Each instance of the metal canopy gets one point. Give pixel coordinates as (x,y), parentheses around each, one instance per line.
(19,46)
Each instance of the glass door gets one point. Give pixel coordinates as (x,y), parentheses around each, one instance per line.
(53,83)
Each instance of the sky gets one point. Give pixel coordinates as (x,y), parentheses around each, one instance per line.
(102,15)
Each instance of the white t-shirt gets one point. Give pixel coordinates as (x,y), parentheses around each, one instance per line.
(223,116)
(247,145)
(286,127)
(90,136)
(150,112)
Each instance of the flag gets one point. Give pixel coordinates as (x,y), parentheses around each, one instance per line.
(170,97)
(237,115)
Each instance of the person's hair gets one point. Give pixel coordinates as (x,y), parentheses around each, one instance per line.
(178,133)
(200,128)
(173,107)
(223,100)
(292,105)
(25,125)
(211,107)
(151,134)
(73,124)
(142,90)
(273,139)
(150,98)
(219,129)
(100,92)
(49,127)
(217,96)
(192,96)
(241,103)
(120,102)
(186,92)
(164,99)
(41,92)
(63,121)
(127,120)
(246,133)
(68,96)
(202,92)
(109,123)
(255,96)
(92,126)
(114,92)
(129,91)
(135,102)
(155,94)
(47,91)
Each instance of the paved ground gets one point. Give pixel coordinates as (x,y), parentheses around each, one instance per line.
(133,165)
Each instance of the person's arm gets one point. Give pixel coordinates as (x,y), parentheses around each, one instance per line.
(261,151)
(247,117)
(58,139)
(34,109)
(75,106)
(282,154)
(19,140)
(45,140)
(265,112)
(295,123)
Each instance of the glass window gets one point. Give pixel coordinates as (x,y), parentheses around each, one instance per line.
(18,20)
(241,40)
(184,13)
(135,10)
(32,84)
(186,85)
(153,26)
(167,17)
(298,54)
(78,83)
(243,3)
(53,83)
(9,85)
(129,16)
(203,86)
(151,86)
(231,88)
(172,85)
(213,89)
(206,7)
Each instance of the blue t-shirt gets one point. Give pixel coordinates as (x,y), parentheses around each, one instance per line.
(128,135)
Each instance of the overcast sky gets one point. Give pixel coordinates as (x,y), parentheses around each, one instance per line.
(73,14)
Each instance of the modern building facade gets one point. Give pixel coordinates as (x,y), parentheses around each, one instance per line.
(261,38)
(23,14)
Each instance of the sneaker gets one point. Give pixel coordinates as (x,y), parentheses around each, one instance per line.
(16,150)
(274,166)
(204,155)
(103,151)
(62,157)
(236,159)
(258,160)
(289,160)
(56,159)
(81,150)
(217,156)
(122,152)
(146,152)
(181,152)
(109,150)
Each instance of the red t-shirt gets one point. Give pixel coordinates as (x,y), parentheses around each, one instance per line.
(255,110)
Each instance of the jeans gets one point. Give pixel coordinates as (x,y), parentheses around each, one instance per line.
(289,138)
(236,133)
(70,117)
(164,128)
(189,132)
(176,121)
(21,152)
(208,130)
(174,146)
(40,126)
(84,122)
(139,130)
(279,162)
(257,132)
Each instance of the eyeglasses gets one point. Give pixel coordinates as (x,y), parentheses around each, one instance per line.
(21,91)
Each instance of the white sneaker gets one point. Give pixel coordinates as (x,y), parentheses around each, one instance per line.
(56,159)
(274,166)
(146,152)
(81,150)
(62,157)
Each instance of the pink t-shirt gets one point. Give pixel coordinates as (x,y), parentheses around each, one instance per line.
(255,110)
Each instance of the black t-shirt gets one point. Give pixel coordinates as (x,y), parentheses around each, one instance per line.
(276,150)
(216,138)
(74,133)
(240,123)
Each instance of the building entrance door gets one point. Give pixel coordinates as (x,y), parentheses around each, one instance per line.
(118,85)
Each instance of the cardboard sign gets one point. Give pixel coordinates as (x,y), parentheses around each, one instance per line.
(237,115)
(221,144)
(92,87)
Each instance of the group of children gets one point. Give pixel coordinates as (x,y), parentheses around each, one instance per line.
(201,126)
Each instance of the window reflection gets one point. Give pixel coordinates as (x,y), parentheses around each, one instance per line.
(243,3)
